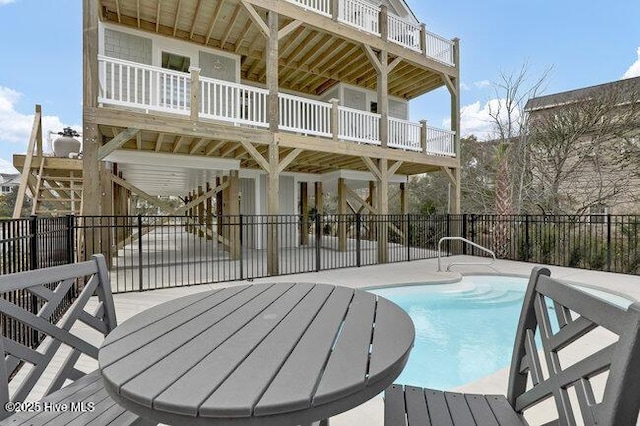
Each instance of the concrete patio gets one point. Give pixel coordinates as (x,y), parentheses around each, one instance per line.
(371,413)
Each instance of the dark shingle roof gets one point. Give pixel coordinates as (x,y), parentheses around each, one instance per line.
(629,87)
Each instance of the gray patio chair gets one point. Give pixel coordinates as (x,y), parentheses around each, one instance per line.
(24,369)
(561,315)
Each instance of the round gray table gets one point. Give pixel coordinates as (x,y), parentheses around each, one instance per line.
(263,354)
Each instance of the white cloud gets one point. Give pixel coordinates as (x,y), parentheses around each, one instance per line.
(634,69)
(482,84)
(475,119)
(15,127)
(464,86)
(3,2)
(7,167)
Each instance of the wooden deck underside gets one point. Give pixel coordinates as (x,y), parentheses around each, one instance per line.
(312,57)
(319,155)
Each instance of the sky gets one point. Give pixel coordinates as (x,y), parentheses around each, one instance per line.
(584,43)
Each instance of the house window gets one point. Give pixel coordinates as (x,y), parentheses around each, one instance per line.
(171,61)
(373,107)
(176,90)
(6,189)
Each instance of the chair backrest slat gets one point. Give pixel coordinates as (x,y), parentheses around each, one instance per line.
(559,315)
(50,286)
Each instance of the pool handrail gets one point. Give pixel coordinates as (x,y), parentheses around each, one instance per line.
(464,263)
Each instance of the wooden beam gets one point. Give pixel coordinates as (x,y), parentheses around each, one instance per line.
(158,8)
(178,144)
(256,18)
(159,141)
(394,168)
(26,170)
(177,18)
(243,35)
(140,193)
(372,167)
(288,29)
(373,58)
(449,174)
(195,18)
(289,159)
(214,147)
(214,18)
(230,25)
(262,162)
(198,145)
(117,142)
(394,63)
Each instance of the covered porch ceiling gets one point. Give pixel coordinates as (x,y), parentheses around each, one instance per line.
(311,60)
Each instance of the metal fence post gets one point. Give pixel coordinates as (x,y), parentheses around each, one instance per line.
(33,242)
(71,255)
(527,250)
(240,254)
(318,240)
(358,254)
(448,233)
(609,242)
(408,237)
(464,232)
(140,252)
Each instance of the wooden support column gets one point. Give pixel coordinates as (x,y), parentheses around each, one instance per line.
(373,200)
(201,229)
(92,139)
(273,110)
(107,211)
(383,97)
(383,210)
(304,213)
(273,209)
(195,93)
(209,214)
(234,212)
(454,89)
(319,198)
(342,210)
(273,178)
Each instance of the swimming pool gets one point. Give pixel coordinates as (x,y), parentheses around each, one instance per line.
(464,330)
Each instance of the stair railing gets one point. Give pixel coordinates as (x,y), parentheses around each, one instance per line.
(464,240)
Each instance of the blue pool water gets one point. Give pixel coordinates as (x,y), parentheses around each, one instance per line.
(464,331)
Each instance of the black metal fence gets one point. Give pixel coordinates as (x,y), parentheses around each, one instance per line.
(28,244)
(597,242)
(149,252)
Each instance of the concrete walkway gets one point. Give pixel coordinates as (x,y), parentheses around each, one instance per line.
(424,271)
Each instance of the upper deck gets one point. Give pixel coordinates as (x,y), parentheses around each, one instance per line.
(321,41)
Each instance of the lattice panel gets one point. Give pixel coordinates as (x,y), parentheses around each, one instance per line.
(573,350)
(62,345)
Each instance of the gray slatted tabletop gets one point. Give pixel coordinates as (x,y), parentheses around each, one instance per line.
(264,354)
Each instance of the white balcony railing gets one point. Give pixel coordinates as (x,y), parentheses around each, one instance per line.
(404,33)
(358,126)
(131,84)
(404,134)
(236,103)
(149,88)
(303,115)
(322,7)
(440,142)
(439,48)
(360,14)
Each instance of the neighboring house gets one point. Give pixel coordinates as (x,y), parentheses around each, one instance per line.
(585,146)
(248,102)
(9,182)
